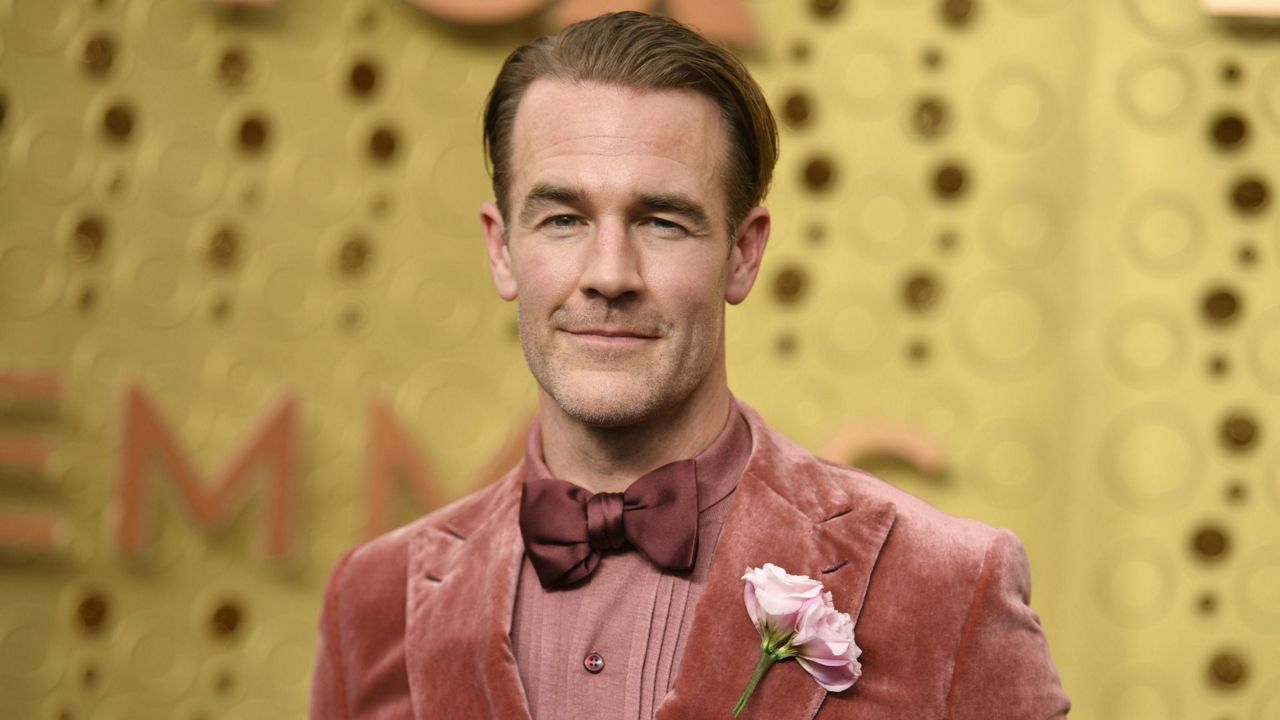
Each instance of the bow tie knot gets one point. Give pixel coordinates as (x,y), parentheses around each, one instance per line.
(565,527)
(605,522)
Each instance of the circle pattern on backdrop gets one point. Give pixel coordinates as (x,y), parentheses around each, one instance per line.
(865,72)
(51,151)
(1150,460)
(818,174)
(855,332)
(172,32)
(1157,91)
(1135,582)
(1163,232)
(433,389)
(1228,131)
(283,283)
(1220,305)
(156,285)
(813,401)
(1269,93)
(317,185)
(941,411)
(185,172)
(450,72)
(931,117)
(1004,329)
(882,218)
(43,26)
(162,666)
(1258,587)
(1016,106)
(454,178)
(1141,692)
(1262,348)
(28,665)
(1177,22)
(32,276)
(1009,463)
(428,302)
(1023,227)
(289,653)
(1146,344)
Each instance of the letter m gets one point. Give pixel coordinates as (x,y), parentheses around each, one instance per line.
(147,441)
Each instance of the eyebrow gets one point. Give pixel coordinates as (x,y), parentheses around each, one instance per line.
(546,194)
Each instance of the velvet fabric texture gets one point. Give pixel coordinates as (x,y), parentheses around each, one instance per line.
(416,624)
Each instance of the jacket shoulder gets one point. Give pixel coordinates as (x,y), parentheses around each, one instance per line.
(916,521)
(948,610)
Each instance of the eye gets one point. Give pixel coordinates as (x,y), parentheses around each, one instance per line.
(666,227)
(561,225)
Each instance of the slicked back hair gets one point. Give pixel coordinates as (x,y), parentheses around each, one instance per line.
(641,52)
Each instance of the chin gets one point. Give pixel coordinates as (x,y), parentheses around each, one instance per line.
(607,405)
(616,401)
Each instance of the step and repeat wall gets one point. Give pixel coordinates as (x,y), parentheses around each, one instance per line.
(1025,265)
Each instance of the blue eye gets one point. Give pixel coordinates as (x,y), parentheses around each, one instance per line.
(666,227)
(563,221)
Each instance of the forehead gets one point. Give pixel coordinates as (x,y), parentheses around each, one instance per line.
(569,132)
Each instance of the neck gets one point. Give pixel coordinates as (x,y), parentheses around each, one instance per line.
(609,459)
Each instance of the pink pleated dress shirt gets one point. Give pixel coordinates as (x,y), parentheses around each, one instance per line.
(609,647)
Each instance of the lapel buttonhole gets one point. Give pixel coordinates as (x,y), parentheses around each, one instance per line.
(838,514)
(832,568)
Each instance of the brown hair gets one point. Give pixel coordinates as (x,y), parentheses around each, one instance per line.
(643,52)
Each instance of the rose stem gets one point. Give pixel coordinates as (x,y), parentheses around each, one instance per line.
(766,660)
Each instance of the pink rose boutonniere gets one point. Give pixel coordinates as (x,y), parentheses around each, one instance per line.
(796,619)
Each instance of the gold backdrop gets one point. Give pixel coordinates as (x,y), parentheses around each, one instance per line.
(1039,235)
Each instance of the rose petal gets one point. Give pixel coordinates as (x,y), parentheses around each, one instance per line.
(777,598)
(834,679)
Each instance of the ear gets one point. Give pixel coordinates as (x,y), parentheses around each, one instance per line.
(495,241)
(746,255)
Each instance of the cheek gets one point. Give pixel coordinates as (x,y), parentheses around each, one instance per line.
(543,280)
(694,298)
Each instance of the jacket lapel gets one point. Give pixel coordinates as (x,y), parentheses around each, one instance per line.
(792,510)
(461,590)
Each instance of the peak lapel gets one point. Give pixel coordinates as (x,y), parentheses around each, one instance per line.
(789,509)
(462,586)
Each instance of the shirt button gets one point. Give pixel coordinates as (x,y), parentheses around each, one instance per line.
(593,662)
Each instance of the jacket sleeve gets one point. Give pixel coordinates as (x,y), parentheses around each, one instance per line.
(328,685)
(1002,667)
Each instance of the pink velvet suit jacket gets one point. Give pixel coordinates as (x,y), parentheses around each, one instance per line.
(416,623)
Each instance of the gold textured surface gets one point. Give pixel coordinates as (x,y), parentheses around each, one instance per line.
(1042,232)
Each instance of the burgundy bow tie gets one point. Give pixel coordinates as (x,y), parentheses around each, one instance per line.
(565,527)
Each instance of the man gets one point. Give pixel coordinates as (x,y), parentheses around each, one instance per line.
(602,577)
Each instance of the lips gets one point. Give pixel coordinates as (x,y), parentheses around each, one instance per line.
(612,333)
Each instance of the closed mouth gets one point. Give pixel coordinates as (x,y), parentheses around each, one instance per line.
(611,333)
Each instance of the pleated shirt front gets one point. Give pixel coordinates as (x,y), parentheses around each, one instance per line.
(609,647)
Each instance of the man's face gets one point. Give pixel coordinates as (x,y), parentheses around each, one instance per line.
(616,246)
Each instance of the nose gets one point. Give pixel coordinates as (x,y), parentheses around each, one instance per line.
(611,268)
